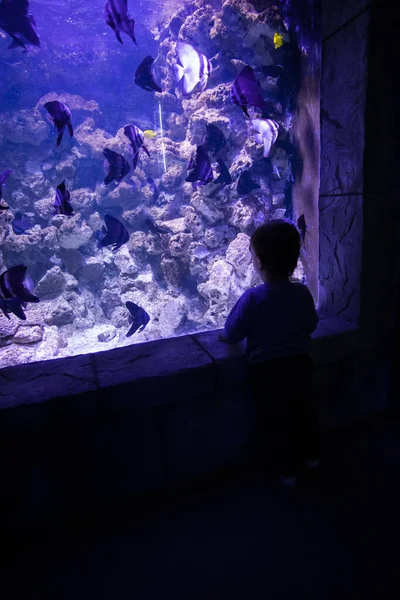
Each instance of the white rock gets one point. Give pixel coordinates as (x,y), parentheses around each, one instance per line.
(28,334)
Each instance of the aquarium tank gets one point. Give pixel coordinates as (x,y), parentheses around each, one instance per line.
(141,144)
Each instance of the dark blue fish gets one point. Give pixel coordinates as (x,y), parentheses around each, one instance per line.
(62,203)
(144,76)
(118,18)
(61,117)
(302,227)
(154,187)
(118,167)
(224,176)
(138,317)
(12,305)
(21,224)
(136,138)
(214,140)
(246,184)
(17,20)
(3,178)
(112,234)
(152,226)
(200,168)
(246,91)
(16,289)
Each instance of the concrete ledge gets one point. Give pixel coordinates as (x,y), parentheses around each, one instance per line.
(156,373)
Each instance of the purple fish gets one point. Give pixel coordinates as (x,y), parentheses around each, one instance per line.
(246,184)
(21,224)
(224,176)
(144,76)
(15,283)
(136,138)
(118,18)
(3,178)
(214,140)
(138,318)
(200,168)
(246,91)
(118,167)
(61,117)
(152,226)
(113,233)
(62,203)
(302,227)
(17,20)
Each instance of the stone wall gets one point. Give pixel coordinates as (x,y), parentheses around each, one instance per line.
(359,216)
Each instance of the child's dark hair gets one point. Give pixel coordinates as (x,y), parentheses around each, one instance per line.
(277,246)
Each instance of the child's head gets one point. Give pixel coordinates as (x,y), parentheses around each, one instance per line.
(275,248)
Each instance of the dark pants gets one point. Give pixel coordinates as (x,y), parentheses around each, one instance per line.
(285,411)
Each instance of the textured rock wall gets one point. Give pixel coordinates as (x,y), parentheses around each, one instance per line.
(359,215)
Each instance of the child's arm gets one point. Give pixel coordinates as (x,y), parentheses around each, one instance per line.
(237,323)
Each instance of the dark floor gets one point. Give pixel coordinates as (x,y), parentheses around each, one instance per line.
(244,537)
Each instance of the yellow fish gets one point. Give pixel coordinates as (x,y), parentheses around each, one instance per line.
(149,133)
(278,40)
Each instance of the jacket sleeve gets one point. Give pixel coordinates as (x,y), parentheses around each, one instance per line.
(237,324)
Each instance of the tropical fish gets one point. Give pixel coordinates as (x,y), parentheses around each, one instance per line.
(2,207)
(152,226)
(138,318)
(21,224)
(136,138)
(61,117)
(117,166)
(118,18)
(213,140)
(200,168)
(3,178)
(201,252)
(302,227)
(153,185)
(17,20)
(113,233)
(16,289)
(144,76)
(278,40)
(265,132)
(194,69)
(246,91)
(246,184)
(224,175)
(62,203)
(149,133)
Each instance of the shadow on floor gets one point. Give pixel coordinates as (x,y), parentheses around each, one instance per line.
(241,536)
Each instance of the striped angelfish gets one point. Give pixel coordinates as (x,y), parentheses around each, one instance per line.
(136,138)
(265,132)
(194,69)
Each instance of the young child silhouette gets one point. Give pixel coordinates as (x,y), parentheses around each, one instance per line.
(277,319)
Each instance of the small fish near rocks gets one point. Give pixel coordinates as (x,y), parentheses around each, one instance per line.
(199,167)
(193,69)
(61,117)
(17,20)
(62,203)
(113,233)
(16,289)
(144,76)
(117,166)
(138,318)
(136,138)
(118,18)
